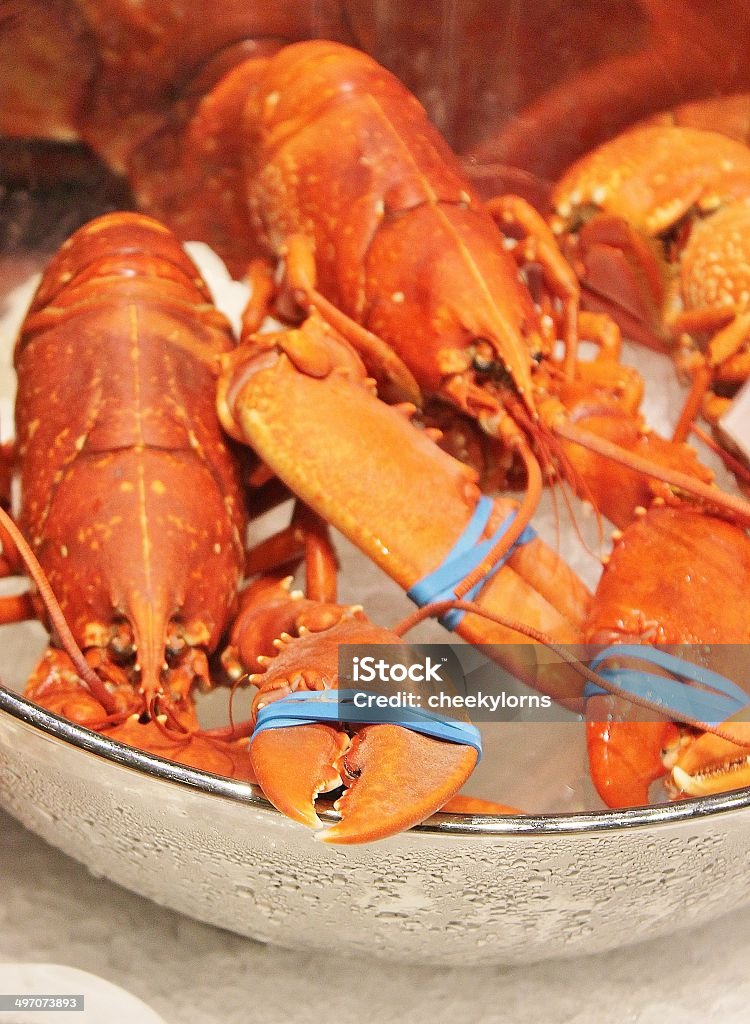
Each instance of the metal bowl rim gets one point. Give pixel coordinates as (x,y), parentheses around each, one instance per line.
(488,825)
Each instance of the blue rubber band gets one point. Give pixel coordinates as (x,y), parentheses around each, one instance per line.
(306,707)
(467,553)
(713,705)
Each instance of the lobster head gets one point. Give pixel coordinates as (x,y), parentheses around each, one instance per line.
(461,321)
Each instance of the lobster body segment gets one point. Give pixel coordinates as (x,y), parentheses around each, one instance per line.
(131,498)
(657,224)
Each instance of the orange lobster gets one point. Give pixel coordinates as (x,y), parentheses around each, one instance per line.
(262,383)
(116,435)
(303,401)
(345,179)
(311,372)
(207,164)
(482,355)
(144,577)
(655,222)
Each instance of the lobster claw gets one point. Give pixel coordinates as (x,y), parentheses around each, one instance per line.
(309,739)
(394,778)
(712,764)
(626,757)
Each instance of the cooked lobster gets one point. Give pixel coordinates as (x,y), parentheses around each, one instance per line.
(242,159)
(133,512)
(335,409)
(116,436)
(229,144)
(680,50)
(656,224)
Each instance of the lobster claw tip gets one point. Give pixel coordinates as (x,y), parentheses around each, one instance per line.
(712,764)
(294,765)
(688,784)
(395,778)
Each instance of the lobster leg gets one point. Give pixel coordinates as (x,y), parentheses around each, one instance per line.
(306,538)
(511,213)
(16,608)
(724,345)
(601,403)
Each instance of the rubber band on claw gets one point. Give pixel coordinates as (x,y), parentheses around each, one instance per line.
(716,700)
(307,707)
(467,553)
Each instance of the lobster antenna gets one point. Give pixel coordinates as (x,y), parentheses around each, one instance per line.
(550,446)
(730,461)
(56,616)
(738,507)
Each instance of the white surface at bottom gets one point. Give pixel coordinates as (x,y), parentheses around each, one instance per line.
(52,910)
(98,1000)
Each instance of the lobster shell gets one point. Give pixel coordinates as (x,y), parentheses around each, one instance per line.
(131,499)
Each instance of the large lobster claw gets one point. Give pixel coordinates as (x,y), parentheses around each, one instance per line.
(393,778)
(625,757)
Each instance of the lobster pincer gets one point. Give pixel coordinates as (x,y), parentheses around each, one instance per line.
(697,605)
(713,764)
(308,741)
(393,777)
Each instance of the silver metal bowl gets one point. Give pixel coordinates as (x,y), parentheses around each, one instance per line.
(459,890)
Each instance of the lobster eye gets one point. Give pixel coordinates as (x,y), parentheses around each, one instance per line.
(483,359)
(482,365)
(175,644)
(121,644)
